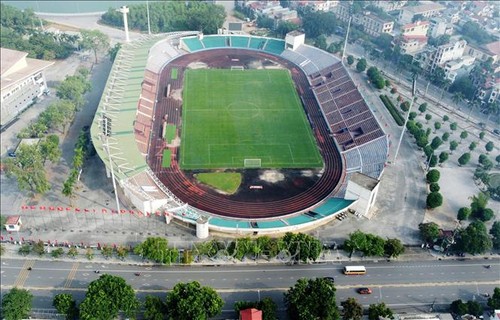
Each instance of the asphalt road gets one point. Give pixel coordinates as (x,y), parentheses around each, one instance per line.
(413,285)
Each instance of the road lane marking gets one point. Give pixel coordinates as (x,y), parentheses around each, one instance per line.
(71,275)
(24,273)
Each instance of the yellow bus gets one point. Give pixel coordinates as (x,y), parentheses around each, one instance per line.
(354,270)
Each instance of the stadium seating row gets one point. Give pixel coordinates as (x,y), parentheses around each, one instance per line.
(274,46)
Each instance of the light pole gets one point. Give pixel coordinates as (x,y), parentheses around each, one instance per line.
(413,92)
(149,23)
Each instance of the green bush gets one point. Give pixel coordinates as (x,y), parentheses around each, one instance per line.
(392,110)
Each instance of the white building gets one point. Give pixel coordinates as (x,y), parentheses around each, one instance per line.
(294,39)
(407,14)
(364,189)
(22,82)
(439,27)
(453,68)
(445,53)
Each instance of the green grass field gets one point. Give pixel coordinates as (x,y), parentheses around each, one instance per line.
(232,115)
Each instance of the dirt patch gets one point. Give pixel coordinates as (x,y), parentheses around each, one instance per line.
(197,65)
(272,176)
(176,94)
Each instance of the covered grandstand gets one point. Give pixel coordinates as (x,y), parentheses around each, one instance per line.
(126,133)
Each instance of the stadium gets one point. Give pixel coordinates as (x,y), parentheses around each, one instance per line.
(284,115)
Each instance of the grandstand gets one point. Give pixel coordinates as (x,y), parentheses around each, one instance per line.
(126,131)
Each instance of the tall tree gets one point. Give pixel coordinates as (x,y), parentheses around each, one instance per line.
(154,308)
(28,169)
(107,296)
(495,233)
(65,304)
(393,248)
(474,239)
(190,300)
(429,231)
(16,304)
(375,311)
(311,299)
(95,40)
(302,247)
(494,300)
(479,208)
(352,309)
(156,249)
(49,148)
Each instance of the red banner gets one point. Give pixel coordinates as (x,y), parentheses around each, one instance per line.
(91,210)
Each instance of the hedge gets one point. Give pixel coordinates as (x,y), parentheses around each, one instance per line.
(392,110)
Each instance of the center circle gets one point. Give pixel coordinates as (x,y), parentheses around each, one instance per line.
(243,110)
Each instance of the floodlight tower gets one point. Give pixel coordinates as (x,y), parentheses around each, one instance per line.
(347,32)
(125,10)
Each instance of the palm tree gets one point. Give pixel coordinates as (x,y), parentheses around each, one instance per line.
(492,109)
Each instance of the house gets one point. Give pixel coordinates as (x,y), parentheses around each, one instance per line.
(439,26)
(490,50)
(419,28)
(495,315)
(428,10)
(364,190)
(13,223)
(316,5)
(412,44)
(444,53)
(251,314)
(372,24)
(454,69)
(389,5)
(22,82)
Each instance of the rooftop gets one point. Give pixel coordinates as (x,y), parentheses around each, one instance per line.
(363,180)
(424,8)
(12,219)
(494,47)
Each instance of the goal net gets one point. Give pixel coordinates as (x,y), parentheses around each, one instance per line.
(237,68)
(252,163)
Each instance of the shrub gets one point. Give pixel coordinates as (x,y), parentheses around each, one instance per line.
(434,187)
(405,106)
(392,110)
(434,200)
(433,176)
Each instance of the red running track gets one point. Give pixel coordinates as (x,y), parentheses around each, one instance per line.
(177,182)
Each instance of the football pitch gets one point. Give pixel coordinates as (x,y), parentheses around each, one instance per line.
(244,119)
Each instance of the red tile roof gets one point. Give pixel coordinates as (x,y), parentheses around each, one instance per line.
(251,314)
(12,220)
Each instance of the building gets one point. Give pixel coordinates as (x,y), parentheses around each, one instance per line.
(419,28)
(364,190)
(372,24)
(13,223)
(439,26)
(413,37)
(251,314)
(316,5)
(456,68)
(495,315)
(442,54)
(484,52)
(294,39)
(389,5)
(22,82)
(490,91)
(428,10)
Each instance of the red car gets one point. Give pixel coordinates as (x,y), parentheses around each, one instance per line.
(364,291)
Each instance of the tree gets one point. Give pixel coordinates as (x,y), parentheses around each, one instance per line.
(320,42)
(107,251)
(475,308)
(453,146)
(357,241)
(266,305)
(443,156)
(495,233)
(436,142)
(412,115)
(478,207)
(472,146)
(49,148)
(352,310)
(428,117)
(474,239)
(16,304)
(2,249)
(445,136)
(453,126)
(437,126)
(375,311)
(489,146)
(375,245)
(422,108)
(71,92)
(463,213)
(433,176)
(393,248)
(434,200)
(24,250)
(113,51)
(361,65)
(433,161)
(122,252)
(39,248)
(494,300)
(57,253)
(107,296)
(28,169)
(429,231)
(154,308)
(481,135)
(72,252)
(434,187)
(156,249)
(190,300)
(302,247)
(497,159)
(350,59)
(94,40)
(463,135)
(463,85)
(66,304)
(464,159)
(311,299)
(459,307)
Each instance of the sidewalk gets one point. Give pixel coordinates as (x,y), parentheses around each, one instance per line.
(327,257)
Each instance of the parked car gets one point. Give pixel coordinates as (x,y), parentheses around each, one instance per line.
(497,132)
(364,291)
(11,154)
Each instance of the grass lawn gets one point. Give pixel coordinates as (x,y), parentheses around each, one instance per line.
(232,115)
(169,133)
(227,182)
(173,74)
(165,163)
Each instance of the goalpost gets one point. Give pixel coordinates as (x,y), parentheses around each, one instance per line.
(252,163)
(237,68)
